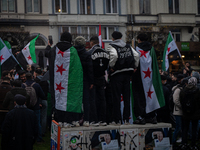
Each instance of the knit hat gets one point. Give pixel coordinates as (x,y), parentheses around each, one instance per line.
(196,75)
(66,36)
(20,99)
(80,41)
(192,81)
(116,35)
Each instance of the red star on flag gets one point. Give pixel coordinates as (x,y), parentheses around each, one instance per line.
(1,58)
(122,98)
(143,53)
(147,73)
(168,49)
(59,87)
(29,57)
(60,52)
(149,93)
(60,69)
(25,48)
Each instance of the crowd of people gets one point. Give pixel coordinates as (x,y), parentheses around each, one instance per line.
(181,91)
(28,100)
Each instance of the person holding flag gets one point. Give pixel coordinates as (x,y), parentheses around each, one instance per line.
(171,52)
(66,80)
(7,60)
(27,55)
(147,87)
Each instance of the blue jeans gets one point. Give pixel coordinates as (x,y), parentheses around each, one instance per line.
(43,116)
(177,129)
(37,113)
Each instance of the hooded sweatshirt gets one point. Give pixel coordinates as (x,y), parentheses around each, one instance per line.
(146,46)
(86,62)
(122,57)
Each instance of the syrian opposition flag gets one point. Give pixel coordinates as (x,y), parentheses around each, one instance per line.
(8,45)
(101,44)
(151,81)
(7,60)
(132,117)
(68,81)
(27,56)
(171,52)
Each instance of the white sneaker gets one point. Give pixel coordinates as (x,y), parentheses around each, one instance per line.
(101,123)
(60,124)
(112,123)
(179,140)
(126,123)
(94,124)
(76,123)
(115,124)
(86,123)
(67,125)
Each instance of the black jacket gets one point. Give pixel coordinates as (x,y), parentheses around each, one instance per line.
(44,85)
(86,62)
(19,129)
(100,60)
(4,88)
(196,114)
(39,93)
(9,99)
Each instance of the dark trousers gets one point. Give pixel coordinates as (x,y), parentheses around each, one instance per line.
(93,110)
(100,98)
(64,116)
(186,124)
(86,100)
(120,84)
(109,103)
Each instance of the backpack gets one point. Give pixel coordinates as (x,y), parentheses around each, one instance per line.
(31,92)
(188,102)
(171,101)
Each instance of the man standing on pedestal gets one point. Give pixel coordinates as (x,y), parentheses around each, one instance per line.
(123,61)
(147,87)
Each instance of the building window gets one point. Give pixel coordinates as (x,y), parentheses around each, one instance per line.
(85,6)
(198,5)
(85,31)
(144,6)
(8,5)
(33,5)
(72,30)
(106,32)
(111,6)
(177,36)
(173,6)
(61,6)
(88,32)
